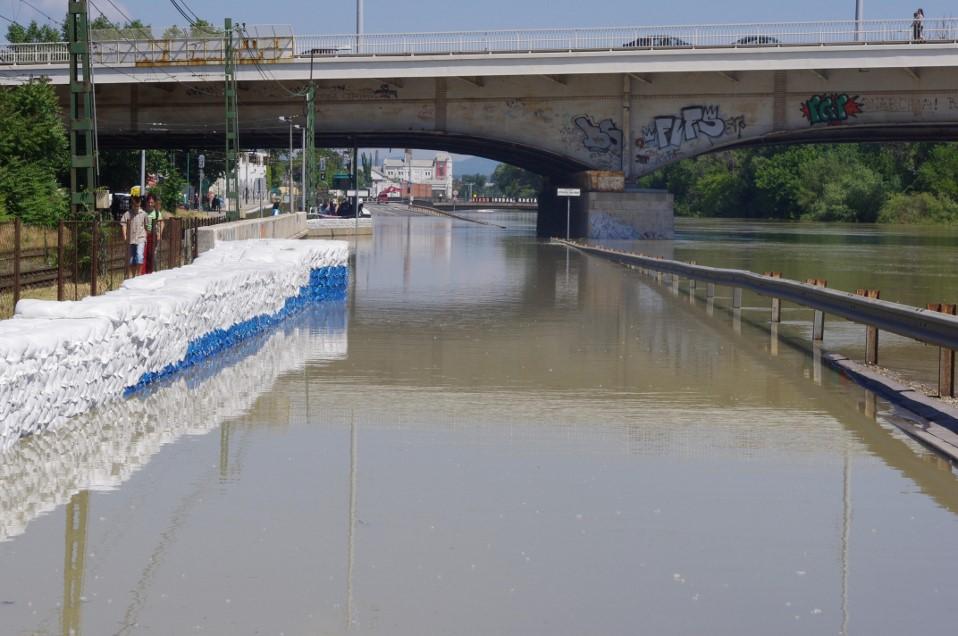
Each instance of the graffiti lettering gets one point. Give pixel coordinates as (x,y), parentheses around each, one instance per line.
(833,110)
(693,122)
(735,126)
(601,138)
(385,92)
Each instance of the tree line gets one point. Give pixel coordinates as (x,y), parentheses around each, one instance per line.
(885,183)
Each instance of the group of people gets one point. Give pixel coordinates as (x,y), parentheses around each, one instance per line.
(345,208)
(141,231)
(918,26)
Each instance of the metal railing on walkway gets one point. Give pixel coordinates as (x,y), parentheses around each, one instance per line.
(79,258)
(935,325)
(206,50)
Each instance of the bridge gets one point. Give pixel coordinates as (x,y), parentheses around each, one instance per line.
(597,108)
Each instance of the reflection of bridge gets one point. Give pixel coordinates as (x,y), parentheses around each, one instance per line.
(558,102)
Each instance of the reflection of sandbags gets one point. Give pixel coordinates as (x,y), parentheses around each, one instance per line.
(100,450)
(58,359)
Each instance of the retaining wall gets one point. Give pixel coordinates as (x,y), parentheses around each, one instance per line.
(61,359)
(284,226)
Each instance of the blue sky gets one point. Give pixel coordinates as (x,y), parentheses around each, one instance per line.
(443,15)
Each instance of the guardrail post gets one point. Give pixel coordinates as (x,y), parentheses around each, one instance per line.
(818,322)
(871,333)
(710,291)
(776,302)
(16,262)
(60,228)
(946,358)
(737,298)
(675,283)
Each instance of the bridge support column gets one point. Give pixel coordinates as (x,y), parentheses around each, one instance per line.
(606,210)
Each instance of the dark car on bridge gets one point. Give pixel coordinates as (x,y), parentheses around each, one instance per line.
(757,40)
(656,42)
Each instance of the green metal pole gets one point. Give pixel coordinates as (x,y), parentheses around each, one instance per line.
(232,121)
(82,159)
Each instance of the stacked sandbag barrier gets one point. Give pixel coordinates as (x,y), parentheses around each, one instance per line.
(60,359)
(102,449)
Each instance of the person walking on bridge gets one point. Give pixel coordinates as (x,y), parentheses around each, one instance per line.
(133,225)
(918,26)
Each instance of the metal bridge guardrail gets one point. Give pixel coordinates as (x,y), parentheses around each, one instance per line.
(919,324)
(200,50)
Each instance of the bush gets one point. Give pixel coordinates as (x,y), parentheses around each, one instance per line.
(918,207)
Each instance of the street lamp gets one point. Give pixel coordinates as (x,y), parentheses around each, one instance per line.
(289,119)
(859,16)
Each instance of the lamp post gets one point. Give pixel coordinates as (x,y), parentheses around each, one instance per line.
(289,119)
(859,16)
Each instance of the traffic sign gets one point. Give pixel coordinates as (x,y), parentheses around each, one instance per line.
(569,192)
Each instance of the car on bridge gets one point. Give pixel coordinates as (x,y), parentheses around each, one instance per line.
(656,42)
(757,40)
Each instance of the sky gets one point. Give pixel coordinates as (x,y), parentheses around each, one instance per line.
(390,16)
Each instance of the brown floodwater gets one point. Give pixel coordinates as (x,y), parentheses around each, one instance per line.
(495,435)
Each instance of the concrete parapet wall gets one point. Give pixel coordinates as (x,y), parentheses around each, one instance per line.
(284,226)
(644,214)
(335,228)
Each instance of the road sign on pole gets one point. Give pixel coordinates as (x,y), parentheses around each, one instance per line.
(568,193)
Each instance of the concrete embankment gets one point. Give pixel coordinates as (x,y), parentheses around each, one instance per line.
(284,226)
(338,228)
(61,359)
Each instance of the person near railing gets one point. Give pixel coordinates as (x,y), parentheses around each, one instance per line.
(918,26)
(154,231)
(133,225)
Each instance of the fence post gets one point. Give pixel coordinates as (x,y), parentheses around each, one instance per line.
(818,323)
(776,302)
(94,253)
(675,283)
(946,358)
(871,333)
(60,228)
(737,298)
(710,291)
(16,262)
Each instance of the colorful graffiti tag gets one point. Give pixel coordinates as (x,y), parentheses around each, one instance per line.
(662,139)
(833,110)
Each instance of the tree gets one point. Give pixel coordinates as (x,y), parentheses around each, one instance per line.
(34,147)
(18,34)
(515,182)
(202,28)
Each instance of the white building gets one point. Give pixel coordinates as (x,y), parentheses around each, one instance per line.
(436,172)
(251,172)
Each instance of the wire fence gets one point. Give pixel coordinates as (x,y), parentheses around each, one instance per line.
(88,257)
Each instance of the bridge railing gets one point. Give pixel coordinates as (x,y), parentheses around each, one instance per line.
(272,47)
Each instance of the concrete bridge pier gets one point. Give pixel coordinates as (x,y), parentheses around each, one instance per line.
(606,210)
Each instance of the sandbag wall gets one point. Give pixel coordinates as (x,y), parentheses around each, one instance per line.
(102,449)
(60,359)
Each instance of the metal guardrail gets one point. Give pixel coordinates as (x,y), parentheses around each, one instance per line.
(200,50)
(919,324)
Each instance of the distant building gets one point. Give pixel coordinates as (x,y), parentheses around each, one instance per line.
(436,172)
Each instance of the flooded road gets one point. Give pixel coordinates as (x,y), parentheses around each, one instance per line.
(496,436)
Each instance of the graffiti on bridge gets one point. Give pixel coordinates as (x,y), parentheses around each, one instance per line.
(662,140)
(833,110)
(602,138)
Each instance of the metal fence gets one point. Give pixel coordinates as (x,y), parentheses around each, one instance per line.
(266,46)
(80,258)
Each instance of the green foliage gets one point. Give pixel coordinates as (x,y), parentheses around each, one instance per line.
(847,182)
(18,34)
(918,207)
(33,145)
(515,182)
(170,191)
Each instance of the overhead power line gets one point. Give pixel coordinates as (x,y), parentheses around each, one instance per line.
(43,13)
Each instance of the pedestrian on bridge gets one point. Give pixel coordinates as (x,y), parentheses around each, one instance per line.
(918,26)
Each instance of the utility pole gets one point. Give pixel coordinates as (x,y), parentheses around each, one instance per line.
(232,122)
(290,166)
(859,16)
(142,175)
(303,170)
(82,157)
(309,166)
